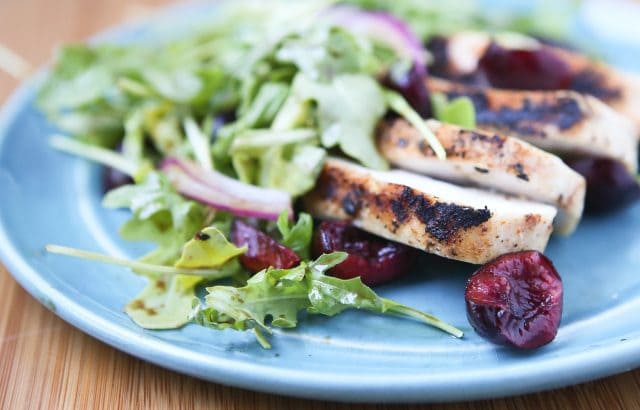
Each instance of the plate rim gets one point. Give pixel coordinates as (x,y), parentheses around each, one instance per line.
(593,363)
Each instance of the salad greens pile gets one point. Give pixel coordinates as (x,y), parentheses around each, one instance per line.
(260,100)
(292,96)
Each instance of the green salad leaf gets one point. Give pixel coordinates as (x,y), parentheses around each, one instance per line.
(321,53)
(167,300)
(402,107)
(263,108)
(159,214)
(459,111)
(284,160)
(298,235)
(348,110)
(280,294)
(165,303)
(98,154)
(293,169)
(209,248)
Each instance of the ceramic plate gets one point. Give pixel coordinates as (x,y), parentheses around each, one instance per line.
(48,197)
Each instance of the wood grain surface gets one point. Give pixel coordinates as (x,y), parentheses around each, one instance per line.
(45,363)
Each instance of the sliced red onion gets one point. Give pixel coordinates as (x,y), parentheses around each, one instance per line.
(380,26)
(224,193)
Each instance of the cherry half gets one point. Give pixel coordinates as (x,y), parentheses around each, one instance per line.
(374,259)
(610,186)
(411,84)
(112,179)
(524,69)
(263,251)
(516,300)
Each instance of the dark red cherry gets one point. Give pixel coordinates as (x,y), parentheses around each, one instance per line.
(112,178)
(411,84)
(374,259)
(263,251)
(610,186)
(516,300)
(524,69)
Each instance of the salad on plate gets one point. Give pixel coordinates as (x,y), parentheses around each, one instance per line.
(289,164)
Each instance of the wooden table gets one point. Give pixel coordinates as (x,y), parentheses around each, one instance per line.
(46,363)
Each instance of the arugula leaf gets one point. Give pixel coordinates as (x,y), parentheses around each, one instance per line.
(293,114)
(459,111)
(254,142)
(163,125)
(209,248)
(348,110)
(165,303)
(284,160)
(276,293)
(255,112)
(79,78)
(296,236)
(150,268)
(180,86)
(293,169)
(96,124)
(167,300)
(94,91)
(324,52)
(327,261)
(97,154)
(261,111)
(330,296)
(398,104)
(80,94)
(280,294)
(199,143)
(160,215)
(133,140)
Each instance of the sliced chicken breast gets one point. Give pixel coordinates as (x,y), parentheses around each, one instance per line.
(565,122)
(459,54)
(459,223)
(488,160)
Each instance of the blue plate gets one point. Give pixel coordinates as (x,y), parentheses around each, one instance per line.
(48,197)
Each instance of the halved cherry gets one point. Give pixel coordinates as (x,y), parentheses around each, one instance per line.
(610,186)
(263,251)
(524,69)
(375,259)
(411,84)
(516,300)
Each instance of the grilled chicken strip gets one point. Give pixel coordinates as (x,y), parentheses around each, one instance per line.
(458,56)
(459,223)
(561,121)
(488,160)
